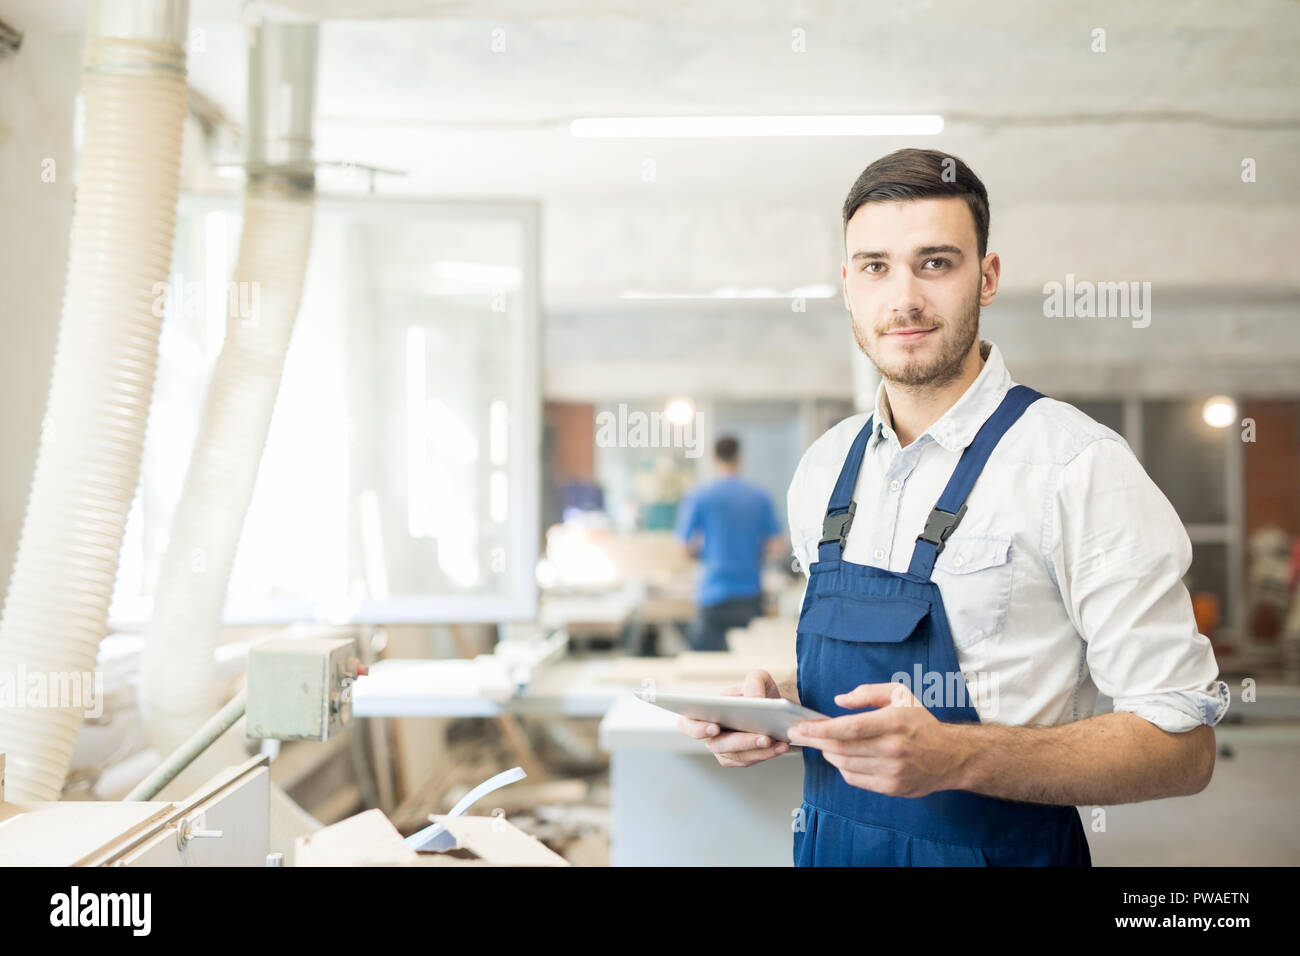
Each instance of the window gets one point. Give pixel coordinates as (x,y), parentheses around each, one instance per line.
(399,481)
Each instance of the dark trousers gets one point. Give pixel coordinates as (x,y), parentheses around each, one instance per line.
(709,629)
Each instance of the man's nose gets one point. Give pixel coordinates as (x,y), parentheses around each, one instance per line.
(905,298)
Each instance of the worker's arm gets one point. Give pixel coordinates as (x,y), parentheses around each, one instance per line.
(1106,759)
(776,541)
(778,547)
(689,529)
(1118,554)
(901,749)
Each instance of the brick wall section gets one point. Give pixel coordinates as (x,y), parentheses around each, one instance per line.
(1272,466)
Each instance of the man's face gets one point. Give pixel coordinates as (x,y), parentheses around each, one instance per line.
(914,284)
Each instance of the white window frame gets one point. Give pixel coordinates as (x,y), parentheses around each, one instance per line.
(519,602)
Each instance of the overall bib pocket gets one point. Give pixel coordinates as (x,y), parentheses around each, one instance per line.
(863,619)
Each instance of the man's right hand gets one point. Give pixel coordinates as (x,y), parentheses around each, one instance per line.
(734,748)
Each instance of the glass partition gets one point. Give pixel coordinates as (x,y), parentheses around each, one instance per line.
(400,480)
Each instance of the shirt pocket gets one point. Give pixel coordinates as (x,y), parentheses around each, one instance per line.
(974,579)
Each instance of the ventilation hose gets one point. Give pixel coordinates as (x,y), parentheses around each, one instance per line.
(88,459)
(178,673)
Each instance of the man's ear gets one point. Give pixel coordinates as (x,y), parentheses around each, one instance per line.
(992,270)
(844,286)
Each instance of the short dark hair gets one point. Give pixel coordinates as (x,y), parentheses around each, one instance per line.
(921,174)
(726,448)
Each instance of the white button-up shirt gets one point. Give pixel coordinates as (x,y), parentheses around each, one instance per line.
(1065,575)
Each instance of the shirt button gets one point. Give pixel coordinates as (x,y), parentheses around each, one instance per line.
(879,554)
(895,485)
(958,562)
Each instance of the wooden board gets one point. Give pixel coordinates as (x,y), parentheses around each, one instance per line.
(63,833)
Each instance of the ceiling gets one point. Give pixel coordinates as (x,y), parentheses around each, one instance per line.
(473,99)
(1182,92)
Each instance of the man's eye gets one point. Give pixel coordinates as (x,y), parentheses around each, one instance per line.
(867,267)
(944,261)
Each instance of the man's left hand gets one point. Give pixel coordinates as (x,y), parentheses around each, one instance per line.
(899,749)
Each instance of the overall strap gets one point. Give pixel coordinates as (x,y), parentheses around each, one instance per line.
(952,503)
(839,513)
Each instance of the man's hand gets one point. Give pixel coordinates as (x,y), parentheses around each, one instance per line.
(733,748)
(899,749)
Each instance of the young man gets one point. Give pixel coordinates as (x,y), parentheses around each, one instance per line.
(730,525)
(982,560)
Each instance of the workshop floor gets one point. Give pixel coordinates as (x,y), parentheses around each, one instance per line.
(1249,815)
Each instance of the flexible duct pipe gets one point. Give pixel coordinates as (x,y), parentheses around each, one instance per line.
(178,687)
(88,461)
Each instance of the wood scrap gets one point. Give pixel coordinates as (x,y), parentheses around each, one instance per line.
(340,804)
(508,725)
(523,795)
(590,849)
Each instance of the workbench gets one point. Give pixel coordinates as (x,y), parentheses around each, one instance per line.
(673,804)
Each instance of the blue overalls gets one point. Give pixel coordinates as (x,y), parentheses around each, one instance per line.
(865,625)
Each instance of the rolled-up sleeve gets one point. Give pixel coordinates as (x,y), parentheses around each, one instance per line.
(1119,552)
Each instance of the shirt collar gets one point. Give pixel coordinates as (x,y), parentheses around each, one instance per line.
(957,427)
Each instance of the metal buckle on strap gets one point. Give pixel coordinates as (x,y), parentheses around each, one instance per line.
(836,526)
(938,526)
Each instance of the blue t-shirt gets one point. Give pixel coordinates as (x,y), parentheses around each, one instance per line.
(736,519)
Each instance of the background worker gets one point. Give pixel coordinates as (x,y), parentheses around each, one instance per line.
(731,526)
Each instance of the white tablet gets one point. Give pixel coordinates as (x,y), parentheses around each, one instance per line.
(757,715)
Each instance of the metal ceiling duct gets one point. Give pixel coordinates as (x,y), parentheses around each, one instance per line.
(178,688)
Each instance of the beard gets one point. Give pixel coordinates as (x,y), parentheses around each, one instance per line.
(955,341)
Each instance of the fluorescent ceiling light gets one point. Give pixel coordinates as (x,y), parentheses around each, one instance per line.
(661,126)
(822,291)
(484,272)
(452,279)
